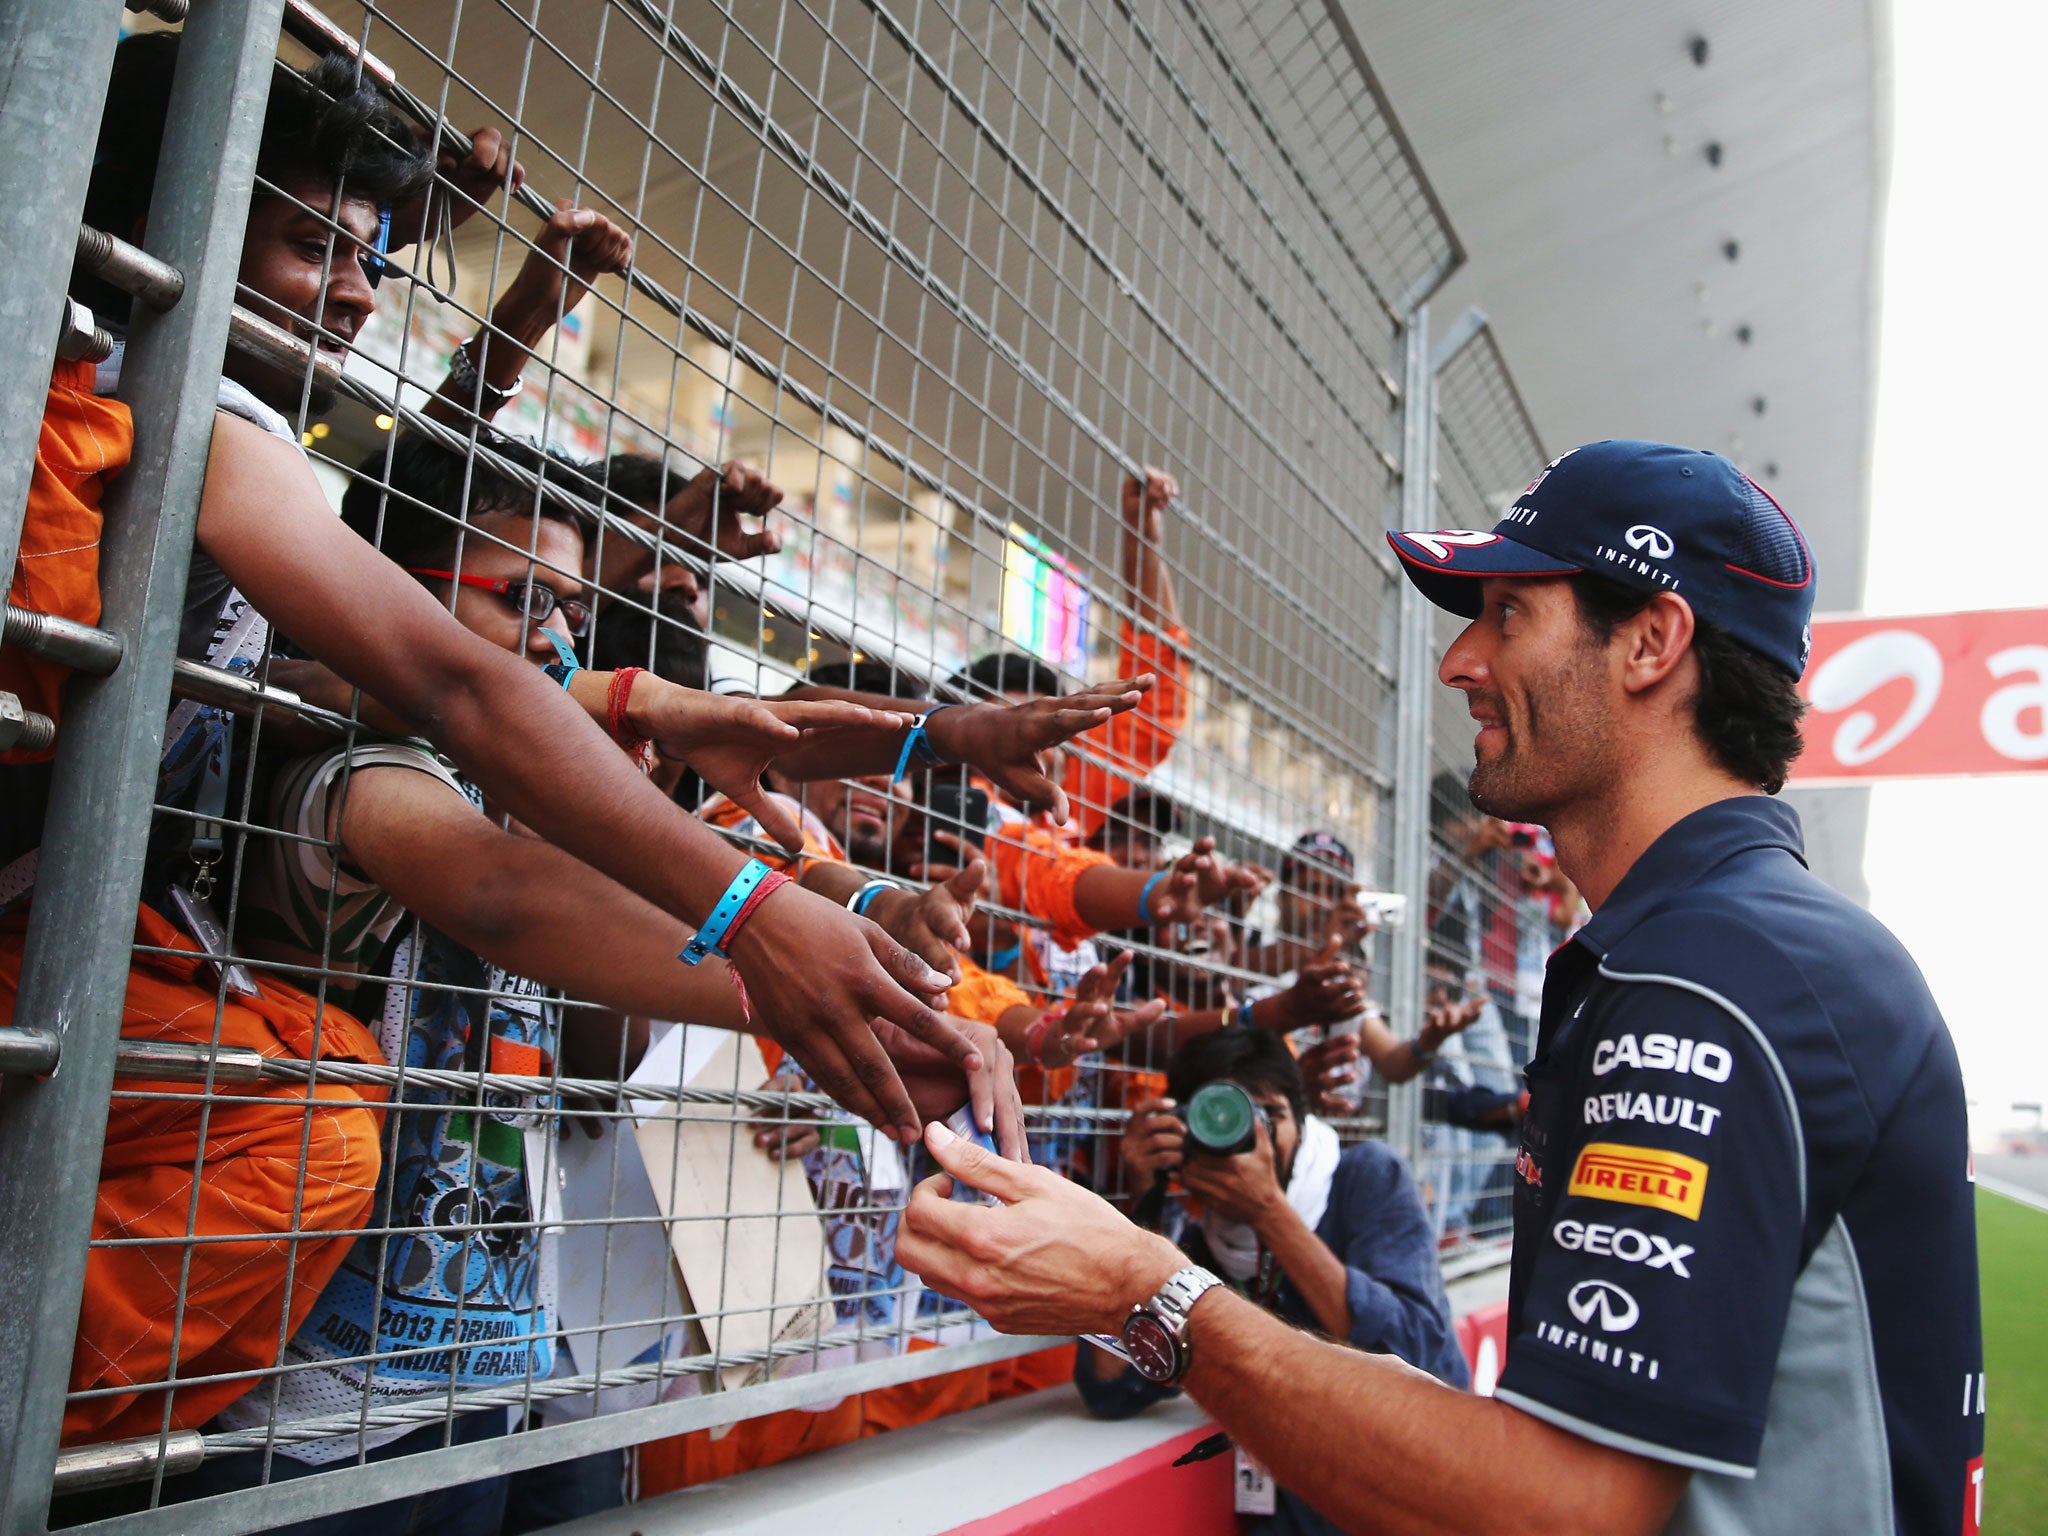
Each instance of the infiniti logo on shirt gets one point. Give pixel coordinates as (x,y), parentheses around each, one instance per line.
(1654,542)
(1604,1304)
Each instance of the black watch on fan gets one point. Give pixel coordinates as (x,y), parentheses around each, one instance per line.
(1155,1335)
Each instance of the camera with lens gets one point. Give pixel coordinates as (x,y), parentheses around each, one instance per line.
(1221,1119)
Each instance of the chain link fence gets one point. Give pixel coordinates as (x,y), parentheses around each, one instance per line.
(1497,903)
(935,351)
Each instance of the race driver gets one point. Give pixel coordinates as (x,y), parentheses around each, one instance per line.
(1744,1286)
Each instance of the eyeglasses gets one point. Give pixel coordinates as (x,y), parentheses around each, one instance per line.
(531,599)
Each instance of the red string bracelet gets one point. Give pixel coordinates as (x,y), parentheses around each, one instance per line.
(615,715)
(759,894)
(1034,1035)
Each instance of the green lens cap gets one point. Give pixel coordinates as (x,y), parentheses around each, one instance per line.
(1220,1116)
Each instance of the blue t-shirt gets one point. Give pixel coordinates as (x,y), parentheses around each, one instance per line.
(1745,1241)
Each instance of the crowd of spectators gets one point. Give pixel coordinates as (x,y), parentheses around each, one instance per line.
(915,894)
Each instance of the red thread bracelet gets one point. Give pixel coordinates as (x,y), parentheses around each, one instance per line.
(615,709)
(1034,1034)
(770,881)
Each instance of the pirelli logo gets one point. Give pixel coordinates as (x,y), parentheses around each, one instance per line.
(1667,1181)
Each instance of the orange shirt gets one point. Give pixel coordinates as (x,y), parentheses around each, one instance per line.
(984,996)
(85,441)
(1106,763)
(1036,867)
(818,843)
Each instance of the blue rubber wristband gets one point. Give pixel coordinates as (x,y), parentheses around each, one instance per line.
(1244,1014)
(866,899)
(919,743)
(1145,895)
(1004,959)
(712,935)
(565,665)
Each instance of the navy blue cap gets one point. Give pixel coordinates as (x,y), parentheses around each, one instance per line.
(1647,515)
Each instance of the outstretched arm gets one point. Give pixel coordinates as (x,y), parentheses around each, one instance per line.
(1146,579)
(1053,1258)
(264,520)
(528,906)
(1007,742)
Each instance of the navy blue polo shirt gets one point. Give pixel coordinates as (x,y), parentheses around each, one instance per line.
(1745,1240)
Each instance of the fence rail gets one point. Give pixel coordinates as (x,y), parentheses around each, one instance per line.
(950,277)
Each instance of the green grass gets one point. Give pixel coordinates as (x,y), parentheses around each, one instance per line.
(2012,1251)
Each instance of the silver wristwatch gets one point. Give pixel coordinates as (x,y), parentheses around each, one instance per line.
(1155,1335)
(473,389)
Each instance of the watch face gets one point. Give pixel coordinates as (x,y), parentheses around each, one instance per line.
(1150,1347)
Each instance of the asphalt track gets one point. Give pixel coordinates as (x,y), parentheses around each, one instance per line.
(2018,1175)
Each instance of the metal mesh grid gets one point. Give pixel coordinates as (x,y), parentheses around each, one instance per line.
(947,276)
(1497,904)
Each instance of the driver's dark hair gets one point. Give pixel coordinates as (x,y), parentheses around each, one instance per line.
(331,122)
(1251,1058)
(1747,709)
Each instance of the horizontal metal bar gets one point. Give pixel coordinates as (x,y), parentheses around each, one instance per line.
(21,727)
(75,645)
(1457,336)
(130,268)
(80,335)
(307,24)
(258,338)
(243,695)
(170,1061)
(32,1052)
(172,11)
(354,1486)
(128,1461)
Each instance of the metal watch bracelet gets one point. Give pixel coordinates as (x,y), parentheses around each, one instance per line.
(1155,1335)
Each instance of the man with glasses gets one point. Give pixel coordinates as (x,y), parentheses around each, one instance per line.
(393,867)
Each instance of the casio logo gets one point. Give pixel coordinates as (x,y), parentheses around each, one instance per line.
(1664,1053)
(1646,540)
(1623,1243)
(1603,1304)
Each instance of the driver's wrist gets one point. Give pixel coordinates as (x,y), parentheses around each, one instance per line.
(1147,1264)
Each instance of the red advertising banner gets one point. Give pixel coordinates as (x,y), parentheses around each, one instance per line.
(1946,693)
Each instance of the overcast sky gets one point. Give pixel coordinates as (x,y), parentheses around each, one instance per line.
(1959,868)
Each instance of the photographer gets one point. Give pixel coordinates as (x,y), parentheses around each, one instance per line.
(1333,1240)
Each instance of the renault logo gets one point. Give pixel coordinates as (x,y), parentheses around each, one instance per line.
(1605,1304)
(1654,542)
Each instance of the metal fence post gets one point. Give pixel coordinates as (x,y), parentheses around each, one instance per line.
(55,56)
(75,968)
(1415,683)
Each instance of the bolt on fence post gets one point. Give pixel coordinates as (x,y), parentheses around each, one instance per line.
(74,972)
(55,56)
(1414,684)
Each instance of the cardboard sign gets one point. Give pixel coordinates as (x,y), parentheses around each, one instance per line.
(1942,694)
